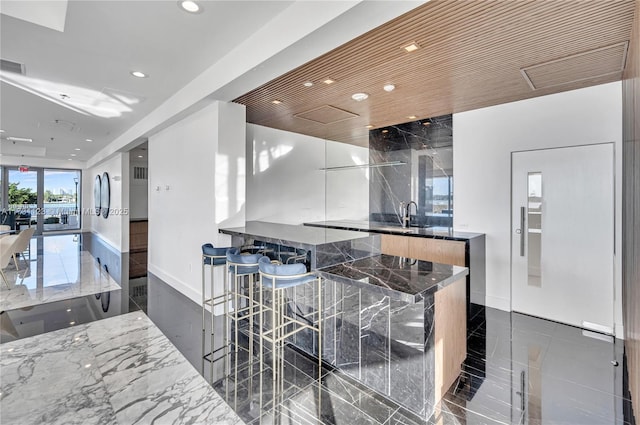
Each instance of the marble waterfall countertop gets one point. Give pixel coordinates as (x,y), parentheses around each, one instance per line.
(379,227)
(120,370)
(401,279)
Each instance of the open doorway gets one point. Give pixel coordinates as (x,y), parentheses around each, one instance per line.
(138,222)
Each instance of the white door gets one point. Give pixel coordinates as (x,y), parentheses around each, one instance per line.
(563,235)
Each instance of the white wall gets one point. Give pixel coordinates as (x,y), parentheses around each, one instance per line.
(347,191)
(483,140)
(138,193)
(286,183)
(114,230)
(196,185)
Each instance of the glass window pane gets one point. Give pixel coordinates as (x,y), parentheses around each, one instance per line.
(22,197)
(534,228)
(61,200)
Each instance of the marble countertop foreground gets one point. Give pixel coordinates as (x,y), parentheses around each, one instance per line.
(401,279)
(378,227)
(120,370)
(277,232)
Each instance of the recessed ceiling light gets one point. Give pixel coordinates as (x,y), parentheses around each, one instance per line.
(190,6)
(73,154)
(19,139)
(411,47)
(307,84)
(88,140)
(359,97)
(70,159)
(412,117)
(68,310)
(434,153)
(139,74)
(276,102)
(76,149)
(140,156)
(72,323)
(329,81)
(1,131)
(369,126)
(385,131)
(88,365)
(426,123)
(389,87)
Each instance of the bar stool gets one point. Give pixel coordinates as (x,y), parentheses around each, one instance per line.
(242,268)
(213,257)
(276,278)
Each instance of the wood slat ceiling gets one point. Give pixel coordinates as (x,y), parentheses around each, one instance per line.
(471,55)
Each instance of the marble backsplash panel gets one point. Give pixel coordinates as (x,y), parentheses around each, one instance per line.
(423,151)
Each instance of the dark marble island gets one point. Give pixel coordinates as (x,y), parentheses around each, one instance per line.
(394,324)
(398,326)
(438,244)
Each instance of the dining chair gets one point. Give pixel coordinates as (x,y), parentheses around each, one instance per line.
(7,246)
(22,245)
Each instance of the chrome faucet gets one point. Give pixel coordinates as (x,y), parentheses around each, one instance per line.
(406,213)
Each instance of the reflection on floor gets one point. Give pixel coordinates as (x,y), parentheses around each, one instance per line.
(63,277)
(520,370)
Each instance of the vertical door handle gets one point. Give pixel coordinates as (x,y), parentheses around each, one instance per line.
(522,230)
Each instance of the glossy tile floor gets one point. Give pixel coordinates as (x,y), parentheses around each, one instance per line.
(54,276)
(520,369)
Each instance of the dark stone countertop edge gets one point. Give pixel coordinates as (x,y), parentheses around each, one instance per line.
(269,234)
(411,298)
(418,232)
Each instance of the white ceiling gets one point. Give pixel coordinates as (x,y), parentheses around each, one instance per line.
(90,62)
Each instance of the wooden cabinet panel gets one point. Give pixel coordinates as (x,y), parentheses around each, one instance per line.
(394,245)
(437,250)
(138,235)
(450,334)
(428,249)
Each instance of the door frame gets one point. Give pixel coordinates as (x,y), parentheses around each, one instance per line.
(614,225)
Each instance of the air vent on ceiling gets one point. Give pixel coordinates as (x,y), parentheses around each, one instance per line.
(140,173)
(326,114)
(590,65)
(9,66)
